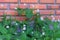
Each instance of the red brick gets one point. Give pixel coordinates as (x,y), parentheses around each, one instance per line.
(47,1)
(47,12)
(3,6)
(29,1)
(8,0)
(57,1)
(53,6)
(13,6)
(23,6)
(10,12)
(57,11)
(38,6)
(1,12)
(20,18)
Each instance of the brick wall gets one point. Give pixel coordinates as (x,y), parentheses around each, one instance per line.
(45,7)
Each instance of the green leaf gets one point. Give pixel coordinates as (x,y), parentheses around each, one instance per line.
(29,13)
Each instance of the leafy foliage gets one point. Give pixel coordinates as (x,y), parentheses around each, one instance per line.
(31,29)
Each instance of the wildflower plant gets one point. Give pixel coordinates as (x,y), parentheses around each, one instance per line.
(34,27)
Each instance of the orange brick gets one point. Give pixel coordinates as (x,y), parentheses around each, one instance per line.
(10,12)
(53,6)
(29,1)
(9,1)
(47,12)
(57,1)
(47,1)
(57,11)
(3,6)
(38,6)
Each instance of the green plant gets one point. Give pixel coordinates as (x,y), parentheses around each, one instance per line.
(33,28)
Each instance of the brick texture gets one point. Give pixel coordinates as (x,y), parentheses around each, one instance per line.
(29,1)
(47,1)
(57,1)
(9,1)
(38,6)
(46,12)
(45,7)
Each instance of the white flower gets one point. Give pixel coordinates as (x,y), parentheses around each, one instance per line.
(8,17)
(24,28)
(43,27)
(33,5)
(58,20)
(52,16)
(25,4)
(43,33)
(24,25)
(15,33)
(53,19)
(7,26)
(23,31)
(16,23)
(32,32)
(15,8)
(37,10)
(41,18)
(2,5)
(34,39)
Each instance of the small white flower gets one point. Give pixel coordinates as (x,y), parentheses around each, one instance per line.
(7,26)
(2,5)
(16,23)
(41,18)
(58,20)
(43,27)
(43,33)
(33,5)
(53,19)
(37,10)
(25,4)
(32,32)
(8,17)
(52,16)
(15,8)
(24,28)
(34,39)
(15,33)
(23,31)
(24,25)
